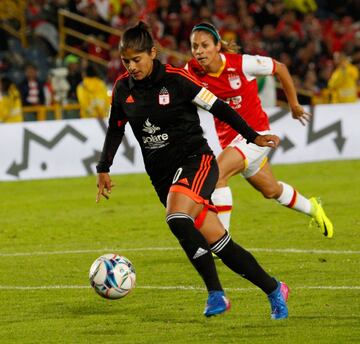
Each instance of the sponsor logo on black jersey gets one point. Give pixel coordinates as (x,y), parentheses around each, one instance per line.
(150,128)
(154,140)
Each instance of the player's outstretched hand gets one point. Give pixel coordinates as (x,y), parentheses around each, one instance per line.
(300,114)
(103,183)
(267,141)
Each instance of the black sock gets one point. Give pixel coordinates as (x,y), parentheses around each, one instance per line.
(195,247)
(243,263)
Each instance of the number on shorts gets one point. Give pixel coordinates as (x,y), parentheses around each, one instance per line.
(177,175)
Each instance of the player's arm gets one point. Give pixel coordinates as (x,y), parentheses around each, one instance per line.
(253,66)
(225,113)
(203,98)
(113,138)
(287,83)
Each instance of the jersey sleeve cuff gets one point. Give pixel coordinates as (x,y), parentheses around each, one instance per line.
(252,137)
(102,168)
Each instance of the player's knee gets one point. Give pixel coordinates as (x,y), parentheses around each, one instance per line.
(224,177)
(190,239)
(222,181)
(179,224)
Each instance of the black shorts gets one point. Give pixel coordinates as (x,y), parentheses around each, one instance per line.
(196,177)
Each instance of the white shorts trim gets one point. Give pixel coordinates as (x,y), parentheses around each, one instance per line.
(255,157)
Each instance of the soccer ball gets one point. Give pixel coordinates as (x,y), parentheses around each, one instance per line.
(112,276)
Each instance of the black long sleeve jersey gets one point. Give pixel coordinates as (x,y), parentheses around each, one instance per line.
(162,112)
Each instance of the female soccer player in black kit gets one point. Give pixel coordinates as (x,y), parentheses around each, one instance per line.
(160,103)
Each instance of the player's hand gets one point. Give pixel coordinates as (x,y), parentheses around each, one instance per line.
(103,183)
(299,113)
(267,141)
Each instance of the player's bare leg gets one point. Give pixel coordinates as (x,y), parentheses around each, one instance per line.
(265,182)
(232,162)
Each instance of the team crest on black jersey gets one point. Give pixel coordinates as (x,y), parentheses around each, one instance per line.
(234,81)
(164,97)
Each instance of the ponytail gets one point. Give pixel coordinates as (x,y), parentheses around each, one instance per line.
(230,47)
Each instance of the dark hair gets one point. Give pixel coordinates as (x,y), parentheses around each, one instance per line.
(228,47)
(137,38)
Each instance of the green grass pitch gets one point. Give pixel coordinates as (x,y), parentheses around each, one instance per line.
(51,231)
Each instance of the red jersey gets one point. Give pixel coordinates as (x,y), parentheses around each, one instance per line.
(236,84)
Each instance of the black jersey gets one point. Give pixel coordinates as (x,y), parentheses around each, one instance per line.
(162,112)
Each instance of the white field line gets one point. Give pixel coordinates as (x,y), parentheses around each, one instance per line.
(181,287)
(144,249)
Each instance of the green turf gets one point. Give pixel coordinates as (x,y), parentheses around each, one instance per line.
(42,219)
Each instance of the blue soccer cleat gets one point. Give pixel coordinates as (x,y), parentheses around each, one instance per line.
(217,303)
(278,300)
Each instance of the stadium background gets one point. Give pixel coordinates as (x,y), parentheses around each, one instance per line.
(61,37)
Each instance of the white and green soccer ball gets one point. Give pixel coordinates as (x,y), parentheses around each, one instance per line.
(112,276)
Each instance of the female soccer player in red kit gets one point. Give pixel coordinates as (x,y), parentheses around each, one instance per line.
(232,78)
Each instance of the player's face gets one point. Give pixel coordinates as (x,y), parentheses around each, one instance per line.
(138,64)
(203,48)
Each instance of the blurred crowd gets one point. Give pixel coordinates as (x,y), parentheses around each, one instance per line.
(319,42)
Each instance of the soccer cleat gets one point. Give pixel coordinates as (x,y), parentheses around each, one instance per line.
(320,219)
(217,303)
(278,300)
(214,255)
